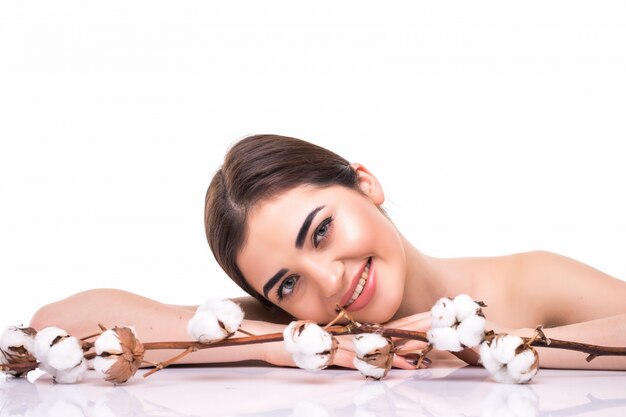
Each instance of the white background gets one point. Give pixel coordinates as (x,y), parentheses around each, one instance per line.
(495,127)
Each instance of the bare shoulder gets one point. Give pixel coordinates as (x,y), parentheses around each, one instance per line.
(567,291)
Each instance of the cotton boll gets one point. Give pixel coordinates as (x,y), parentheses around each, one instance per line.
(312,347)
(314,362)
(306,337)
(226,311)
(314,340)
(204,327)
(368,342)
(471,330)
(44,340)
(523,367)
(103,364)
(108,342)
(504,346)
(465,306)
(369,370)
(15,337)
(502,375)
(443,313)
(488,360)
(65,354)
(73,375)
(444,338)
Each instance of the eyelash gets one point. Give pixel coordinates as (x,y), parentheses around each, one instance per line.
(327,222)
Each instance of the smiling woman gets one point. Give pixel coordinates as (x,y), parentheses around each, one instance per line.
(302,230)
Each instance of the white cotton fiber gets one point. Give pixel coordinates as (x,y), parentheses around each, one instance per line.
(488,360)
(314,340)
(103,364)
(225,310)
(65,354)
(368,369)
(13,336)
(368,342)
(444,338)
(108,342)
(204,327)
(504,346)
(465,306)
(313,362)
(471,330)
(522,367)
(310,340)
(72,375)
(44,340)
(443,313)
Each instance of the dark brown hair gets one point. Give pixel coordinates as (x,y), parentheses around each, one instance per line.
(258,168)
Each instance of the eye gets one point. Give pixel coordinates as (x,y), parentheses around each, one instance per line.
(286,287)
(322,231)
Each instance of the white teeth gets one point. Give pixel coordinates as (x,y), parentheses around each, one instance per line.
(360,285)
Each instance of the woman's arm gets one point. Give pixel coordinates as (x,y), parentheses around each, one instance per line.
(81,313)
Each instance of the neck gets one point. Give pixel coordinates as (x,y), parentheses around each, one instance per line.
(427,280)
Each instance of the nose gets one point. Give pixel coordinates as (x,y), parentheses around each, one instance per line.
(327,276)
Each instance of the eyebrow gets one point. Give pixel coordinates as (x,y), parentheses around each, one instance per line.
(304,230)
(272,281)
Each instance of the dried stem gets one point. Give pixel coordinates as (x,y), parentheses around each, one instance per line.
(170,361)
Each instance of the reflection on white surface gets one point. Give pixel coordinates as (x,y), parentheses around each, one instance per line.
(443,390)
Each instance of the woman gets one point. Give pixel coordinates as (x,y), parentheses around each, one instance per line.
(302,231)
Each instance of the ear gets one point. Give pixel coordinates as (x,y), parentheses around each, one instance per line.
(368,184)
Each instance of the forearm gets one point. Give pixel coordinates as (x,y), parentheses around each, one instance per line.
(80,315)
(608,331)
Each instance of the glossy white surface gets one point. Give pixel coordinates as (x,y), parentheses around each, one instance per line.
(443,390)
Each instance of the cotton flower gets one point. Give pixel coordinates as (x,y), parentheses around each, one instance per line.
(508,359)
(16,347)
(444,338)
(443,313)
(119,354)
(215,320)
(60,355)
(373,354)
(456,323)
(311,347)
(471,330)
(465,306)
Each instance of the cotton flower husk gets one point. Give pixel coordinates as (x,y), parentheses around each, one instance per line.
(373,354)
(215,320)
(465,307)
(17,346)
(122,360)
(471,330)
(443,313)
(312,347)
(444,338)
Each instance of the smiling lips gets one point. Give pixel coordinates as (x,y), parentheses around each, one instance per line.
(361,290)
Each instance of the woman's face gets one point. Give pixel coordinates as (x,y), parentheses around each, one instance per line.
(312,248)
